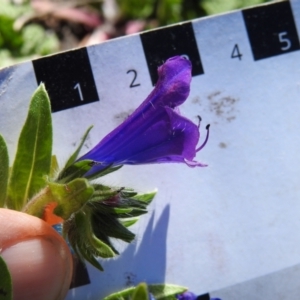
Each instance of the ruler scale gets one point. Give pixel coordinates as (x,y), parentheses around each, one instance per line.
(229,230)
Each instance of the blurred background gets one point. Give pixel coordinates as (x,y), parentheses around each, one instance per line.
(30,29)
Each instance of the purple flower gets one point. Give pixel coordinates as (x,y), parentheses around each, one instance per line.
(187,296)
(155,132)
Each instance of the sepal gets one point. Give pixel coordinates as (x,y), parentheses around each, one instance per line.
(83,241)
(104,217)
(69,197)
(74,156)
(76,170)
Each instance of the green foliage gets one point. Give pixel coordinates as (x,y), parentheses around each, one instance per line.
(4,171)
(82,239)
(33,158)
(93,213)
(141,292)
(173,11)
(37,41)
(31,40)
(5,281)
(106,215)
(220,6)
(9,37)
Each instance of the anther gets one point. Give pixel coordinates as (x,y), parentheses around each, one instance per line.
(206,138)
(199,120)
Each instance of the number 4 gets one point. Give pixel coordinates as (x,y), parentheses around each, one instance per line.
(236,52)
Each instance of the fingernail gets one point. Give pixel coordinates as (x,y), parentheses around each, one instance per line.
(40,268)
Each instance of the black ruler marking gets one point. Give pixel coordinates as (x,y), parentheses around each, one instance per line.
(203,297)
(271,29)
(161,44)
(68,78)
(80,273)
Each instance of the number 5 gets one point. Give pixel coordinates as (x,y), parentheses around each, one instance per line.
(285,40)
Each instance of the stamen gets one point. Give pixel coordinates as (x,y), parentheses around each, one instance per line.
(199,121)
(206,138)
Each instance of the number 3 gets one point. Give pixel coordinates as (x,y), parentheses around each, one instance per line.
(285,40)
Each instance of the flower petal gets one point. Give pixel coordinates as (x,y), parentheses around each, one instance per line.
(171,90)
(155,132)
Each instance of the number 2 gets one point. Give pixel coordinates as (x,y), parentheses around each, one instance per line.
(133,84)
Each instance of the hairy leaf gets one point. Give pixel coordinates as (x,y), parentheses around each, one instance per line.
(69,198)
(80,235)
(33,157)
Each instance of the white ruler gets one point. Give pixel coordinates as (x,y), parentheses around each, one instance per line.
(232,229)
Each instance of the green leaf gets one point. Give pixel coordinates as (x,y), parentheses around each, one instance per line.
(165,291)
(74,156)
(125,294)
(33,158)
(5,281)
(4,171)
(140,292)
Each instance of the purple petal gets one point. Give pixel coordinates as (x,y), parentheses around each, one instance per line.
(155,132)
(187,296)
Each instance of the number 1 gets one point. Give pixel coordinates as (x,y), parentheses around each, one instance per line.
(77,86)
